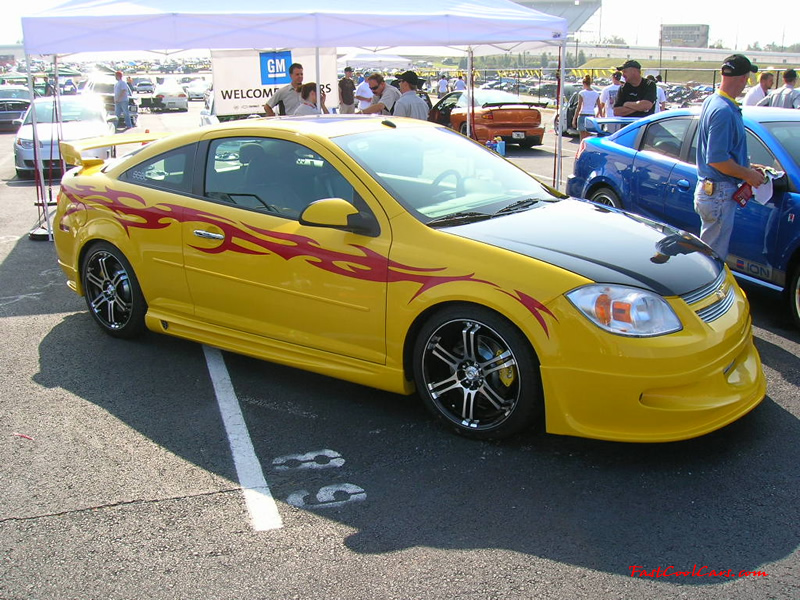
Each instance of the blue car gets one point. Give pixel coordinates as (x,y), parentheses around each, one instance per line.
(649,167)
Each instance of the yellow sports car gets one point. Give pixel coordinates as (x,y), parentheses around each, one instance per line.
(398,254)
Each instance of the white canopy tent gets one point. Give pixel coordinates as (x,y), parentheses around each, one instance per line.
(374,60)
(101,25)
(466,26)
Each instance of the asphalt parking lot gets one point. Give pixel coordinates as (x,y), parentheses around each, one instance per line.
(158,468)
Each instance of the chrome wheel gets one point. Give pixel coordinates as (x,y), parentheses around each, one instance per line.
(112,291)
(477,373)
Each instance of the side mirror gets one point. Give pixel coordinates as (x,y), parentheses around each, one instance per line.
(338,213)
(780,185)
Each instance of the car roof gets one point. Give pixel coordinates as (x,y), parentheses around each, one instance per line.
(325,125)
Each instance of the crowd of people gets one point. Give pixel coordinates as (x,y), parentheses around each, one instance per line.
(373,95)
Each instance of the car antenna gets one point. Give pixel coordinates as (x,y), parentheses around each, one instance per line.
(388,123)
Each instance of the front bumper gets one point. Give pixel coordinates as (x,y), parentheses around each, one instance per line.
(659,389)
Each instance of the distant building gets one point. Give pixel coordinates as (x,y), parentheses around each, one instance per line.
(684,36)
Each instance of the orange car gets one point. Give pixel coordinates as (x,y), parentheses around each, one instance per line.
(497,113)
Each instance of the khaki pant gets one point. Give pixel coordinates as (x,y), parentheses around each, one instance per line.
(347,109)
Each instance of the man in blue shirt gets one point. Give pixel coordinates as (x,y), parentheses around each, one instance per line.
(722,161)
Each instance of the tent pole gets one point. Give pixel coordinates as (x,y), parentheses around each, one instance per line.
(41,232)
(562,54)
(470,93)
(319,77)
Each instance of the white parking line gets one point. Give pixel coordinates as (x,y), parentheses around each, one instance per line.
(260,503)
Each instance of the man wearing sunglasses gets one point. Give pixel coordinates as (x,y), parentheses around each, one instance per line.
(384,97)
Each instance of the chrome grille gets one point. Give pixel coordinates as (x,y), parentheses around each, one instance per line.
(716,310)
(705,291)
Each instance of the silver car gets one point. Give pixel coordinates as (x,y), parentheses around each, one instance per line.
(14,101)
(82,117)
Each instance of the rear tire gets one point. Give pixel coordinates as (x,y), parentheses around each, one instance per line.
(112,292)
(606,196)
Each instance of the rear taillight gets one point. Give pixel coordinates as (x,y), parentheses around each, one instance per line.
(488,115)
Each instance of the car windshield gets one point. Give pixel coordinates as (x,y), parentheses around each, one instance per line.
(103,87)
(788,134)
(16,94)
(437,173)
(70,111)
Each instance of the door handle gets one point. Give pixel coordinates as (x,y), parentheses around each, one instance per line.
(683,184)
(201,233)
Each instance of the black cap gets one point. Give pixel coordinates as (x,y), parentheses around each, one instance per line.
(630,63)
(410,77)
(738,64)
(349,69)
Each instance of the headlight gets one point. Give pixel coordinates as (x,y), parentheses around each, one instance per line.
(26,144)
(626,311)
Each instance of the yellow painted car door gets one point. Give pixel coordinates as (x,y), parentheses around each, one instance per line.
(252,267)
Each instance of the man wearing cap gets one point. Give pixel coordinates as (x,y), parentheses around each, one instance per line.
(722,161)
(786,96)
(637,98)
(409,104)
(347,90)
(384,98)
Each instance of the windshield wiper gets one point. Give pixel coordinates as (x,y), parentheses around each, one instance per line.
(518,205)
(459,218)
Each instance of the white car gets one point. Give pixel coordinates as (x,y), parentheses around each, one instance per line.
(196,90)
(170,96)
(82,116)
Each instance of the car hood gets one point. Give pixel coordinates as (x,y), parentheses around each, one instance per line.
(71,130)
(602,244)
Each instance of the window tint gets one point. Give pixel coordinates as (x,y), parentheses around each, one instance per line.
(271,176)
(788,134)
(666,136)
(169,171)
(758,153)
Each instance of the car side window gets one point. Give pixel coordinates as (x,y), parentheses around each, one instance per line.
(171,171)
(666,136)
(271,176)
(758,152)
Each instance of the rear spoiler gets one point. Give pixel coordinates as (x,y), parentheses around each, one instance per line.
(510,102)
(72,151)
(607,125)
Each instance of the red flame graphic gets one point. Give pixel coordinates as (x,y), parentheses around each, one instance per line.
(132,211)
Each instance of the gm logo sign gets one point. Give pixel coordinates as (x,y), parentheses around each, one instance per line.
(275,67)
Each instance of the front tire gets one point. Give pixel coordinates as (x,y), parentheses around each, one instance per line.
(606,196)
(793,293)
(477,372)
(112,291)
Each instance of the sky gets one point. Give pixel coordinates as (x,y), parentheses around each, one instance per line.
(763,21)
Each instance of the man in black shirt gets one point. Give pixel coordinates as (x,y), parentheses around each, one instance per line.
(637,98)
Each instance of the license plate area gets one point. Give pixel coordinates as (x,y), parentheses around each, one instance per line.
(518,135)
